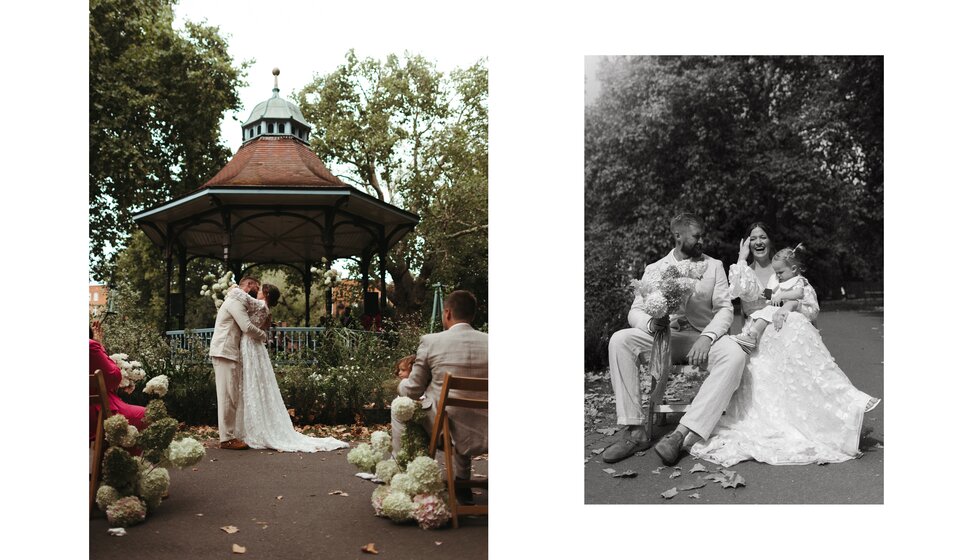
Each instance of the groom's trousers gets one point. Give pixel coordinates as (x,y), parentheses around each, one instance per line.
(726,361)
(228,383)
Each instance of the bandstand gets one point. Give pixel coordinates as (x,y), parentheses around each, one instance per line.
(274,203)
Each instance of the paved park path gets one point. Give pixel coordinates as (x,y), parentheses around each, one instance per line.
(855,339)
(282,507)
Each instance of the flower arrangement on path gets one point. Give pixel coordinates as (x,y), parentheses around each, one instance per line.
(132,486)
(217,287)
(132,371)
(411,487)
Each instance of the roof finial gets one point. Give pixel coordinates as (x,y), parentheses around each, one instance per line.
(275,87)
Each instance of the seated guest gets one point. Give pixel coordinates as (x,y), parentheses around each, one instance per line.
(99,359)
(462,351)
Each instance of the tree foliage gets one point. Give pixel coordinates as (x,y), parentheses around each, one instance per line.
(409,134)
(156,97)
(795,142)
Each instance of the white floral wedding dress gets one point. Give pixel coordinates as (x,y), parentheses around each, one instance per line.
(267,424)
(794,405)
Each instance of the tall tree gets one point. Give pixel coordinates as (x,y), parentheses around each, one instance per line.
(409,134)
(156,98)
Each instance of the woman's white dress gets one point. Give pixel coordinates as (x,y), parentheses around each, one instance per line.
(267,424)
(794,405)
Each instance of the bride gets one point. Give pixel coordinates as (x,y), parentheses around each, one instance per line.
(267,424)
(794,405)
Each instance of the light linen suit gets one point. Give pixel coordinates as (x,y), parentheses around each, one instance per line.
(708,310)
(462,351)
(226,357)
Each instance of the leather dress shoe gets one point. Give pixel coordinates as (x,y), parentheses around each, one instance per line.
(669,448)
(464,495)
(236,444)
(632,442)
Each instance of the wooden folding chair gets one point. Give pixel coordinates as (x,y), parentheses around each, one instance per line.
(441,427)
(98,395)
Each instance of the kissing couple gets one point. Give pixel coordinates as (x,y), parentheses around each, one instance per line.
(251,412)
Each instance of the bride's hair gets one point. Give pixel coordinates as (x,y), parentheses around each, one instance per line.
(271,294)
(792,256)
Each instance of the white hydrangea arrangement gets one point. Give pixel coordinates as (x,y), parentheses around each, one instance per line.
(131,487)
(324,275)
(132,370)
(403,408)
(217,287)
(367,455)
(417,494)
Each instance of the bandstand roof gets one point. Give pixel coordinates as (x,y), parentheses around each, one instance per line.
(276,203)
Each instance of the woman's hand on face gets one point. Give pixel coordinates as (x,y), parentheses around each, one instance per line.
(779,317)
(743,250)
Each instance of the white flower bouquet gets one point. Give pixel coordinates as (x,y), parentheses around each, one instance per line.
(217,287)
(132,370)
(325,276)
(666,288)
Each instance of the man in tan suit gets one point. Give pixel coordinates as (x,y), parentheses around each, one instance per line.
(699,333)
(226,356)
(462,351)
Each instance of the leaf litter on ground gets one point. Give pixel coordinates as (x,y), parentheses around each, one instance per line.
(698,467)
(669,493)
(230,529)
(625,474)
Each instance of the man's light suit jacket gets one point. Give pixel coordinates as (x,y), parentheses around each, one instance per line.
(462,351)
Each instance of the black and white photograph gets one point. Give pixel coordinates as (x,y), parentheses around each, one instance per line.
(734,302)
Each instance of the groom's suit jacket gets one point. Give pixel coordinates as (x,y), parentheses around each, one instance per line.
(708,310)
(231,322)
(462,351)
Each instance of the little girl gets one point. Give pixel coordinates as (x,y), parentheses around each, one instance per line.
(403,367)
(786,285)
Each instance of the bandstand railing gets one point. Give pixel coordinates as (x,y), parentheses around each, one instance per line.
(287,345)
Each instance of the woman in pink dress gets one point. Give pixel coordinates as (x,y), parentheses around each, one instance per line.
(99,359)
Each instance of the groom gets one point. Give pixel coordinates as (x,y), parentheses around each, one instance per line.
(231,323)
(700,333)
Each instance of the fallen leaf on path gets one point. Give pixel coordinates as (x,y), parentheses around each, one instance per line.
(365,475)
(237,549)
(610,471)
(598,451)
(117,532)
(606,431)
(278,497)
(230,529)
(338,493)
(734,482)
(669,493)
(199,514)
(193,468)
(675,474)
(475,475)
(657,471)
(438,543)
(693,486)
(696,495)
(640,453)
(879,446)
(369,548)
(698,467)
(624,474)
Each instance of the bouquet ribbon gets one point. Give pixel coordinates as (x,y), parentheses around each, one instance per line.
(660,368)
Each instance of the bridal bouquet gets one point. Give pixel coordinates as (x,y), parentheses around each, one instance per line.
(132,486)
(132,371)
(325,276)
(668,287)
(217,287)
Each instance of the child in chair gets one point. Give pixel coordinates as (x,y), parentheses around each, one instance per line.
(786,284)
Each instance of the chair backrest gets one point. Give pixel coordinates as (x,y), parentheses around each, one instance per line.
(473,384)
(97,392)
